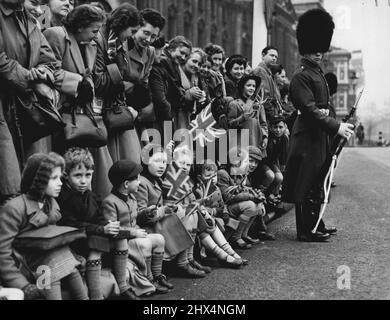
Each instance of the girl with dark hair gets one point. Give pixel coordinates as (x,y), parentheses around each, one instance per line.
(153,207)
(75,50)
(35,208)
(115,39)
(244,114)
(235,70)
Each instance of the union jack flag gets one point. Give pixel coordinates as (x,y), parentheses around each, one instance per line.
(202,127)
(176,184)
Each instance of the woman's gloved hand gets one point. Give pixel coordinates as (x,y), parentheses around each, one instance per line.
(84,92)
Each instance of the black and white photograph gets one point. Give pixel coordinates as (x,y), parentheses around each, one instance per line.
(194,155)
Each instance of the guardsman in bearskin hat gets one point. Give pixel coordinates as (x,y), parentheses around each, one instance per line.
(310,135)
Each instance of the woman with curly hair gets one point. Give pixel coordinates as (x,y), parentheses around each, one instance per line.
(235,70)
(74,47)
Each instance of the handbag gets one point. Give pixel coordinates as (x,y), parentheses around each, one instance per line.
(38,116)
(177,238)
(118,117)
(84,129)
(147,114)
(47,238)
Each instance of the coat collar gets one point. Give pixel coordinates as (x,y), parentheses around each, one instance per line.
(31,23)
(123,197)
(139,54)
(90,53)
(265,67)
(310,64)
(32,205)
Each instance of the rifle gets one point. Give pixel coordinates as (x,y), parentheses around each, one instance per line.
(328,168)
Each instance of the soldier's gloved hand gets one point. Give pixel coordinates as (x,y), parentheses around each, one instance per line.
(31,292)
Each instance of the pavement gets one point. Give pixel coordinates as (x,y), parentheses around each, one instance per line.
(354,264)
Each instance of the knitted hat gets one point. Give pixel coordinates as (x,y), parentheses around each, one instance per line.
(314,31)
(123,170)
(37,173)
(255,153)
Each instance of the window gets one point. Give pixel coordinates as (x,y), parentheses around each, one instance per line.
(341,102)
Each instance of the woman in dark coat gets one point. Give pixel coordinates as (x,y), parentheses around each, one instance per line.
(110,67)
(235,70)
(309,144)
(140,61)
(164,80)
(18,74)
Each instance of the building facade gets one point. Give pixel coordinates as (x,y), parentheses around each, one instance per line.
(281,33)
(225,22)
(337,62)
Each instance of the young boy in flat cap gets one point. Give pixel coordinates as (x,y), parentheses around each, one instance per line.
(259,227)
(121,205)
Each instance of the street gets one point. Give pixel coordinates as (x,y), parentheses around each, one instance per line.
(287,269)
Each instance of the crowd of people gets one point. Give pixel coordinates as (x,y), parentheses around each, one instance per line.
(80,96)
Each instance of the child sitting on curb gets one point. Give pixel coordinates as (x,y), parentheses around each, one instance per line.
(121,206)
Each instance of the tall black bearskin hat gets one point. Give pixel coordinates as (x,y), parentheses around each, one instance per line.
(314,31)
(37,173)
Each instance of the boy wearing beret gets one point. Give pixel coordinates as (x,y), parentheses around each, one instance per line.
(121,206)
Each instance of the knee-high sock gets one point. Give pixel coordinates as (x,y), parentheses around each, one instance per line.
(148,261)
(190,253)
(210,245)
(54,293)
(262,225)
(220,240)
(191,249)
(119,269)
(94,268)
(182,258)
(247,227)
(157,261)
(76,285)
(238,232)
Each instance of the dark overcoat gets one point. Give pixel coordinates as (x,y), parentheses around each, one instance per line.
(21,48)
(107,76)
(309,144)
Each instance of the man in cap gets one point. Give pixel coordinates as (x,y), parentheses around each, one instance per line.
(312,128)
